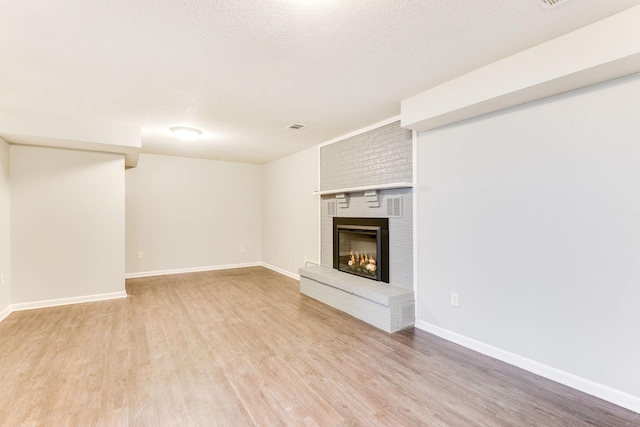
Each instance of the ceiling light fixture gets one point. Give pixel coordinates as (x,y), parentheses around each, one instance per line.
(185,133)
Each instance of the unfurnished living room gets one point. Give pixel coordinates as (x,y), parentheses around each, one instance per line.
(319,213)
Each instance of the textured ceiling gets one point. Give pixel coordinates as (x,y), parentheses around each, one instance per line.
(242,70)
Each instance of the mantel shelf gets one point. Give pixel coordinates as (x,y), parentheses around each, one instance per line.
(391,186)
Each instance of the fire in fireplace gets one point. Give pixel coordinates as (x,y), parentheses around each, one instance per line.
(361,247)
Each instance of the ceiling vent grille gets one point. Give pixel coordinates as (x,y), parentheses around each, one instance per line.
(549,4)
(295,126)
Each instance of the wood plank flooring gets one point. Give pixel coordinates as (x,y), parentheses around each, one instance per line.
(242,348)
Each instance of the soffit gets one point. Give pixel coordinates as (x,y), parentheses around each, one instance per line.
(243,70)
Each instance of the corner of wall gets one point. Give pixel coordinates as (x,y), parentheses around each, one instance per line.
(290,212)
(5,231)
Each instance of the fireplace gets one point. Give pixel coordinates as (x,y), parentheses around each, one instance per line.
(361,247)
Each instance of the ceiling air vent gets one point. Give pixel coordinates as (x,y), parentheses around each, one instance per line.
(295,126)
(548,4)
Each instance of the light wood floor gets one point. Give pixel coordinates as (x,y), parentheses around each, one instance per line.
(243,347)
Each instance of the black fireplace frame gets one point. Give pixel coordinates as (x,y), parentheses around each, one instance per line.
(382,227)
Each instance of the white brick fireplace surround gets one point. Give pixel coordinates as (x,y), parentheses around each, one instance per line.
(379,162)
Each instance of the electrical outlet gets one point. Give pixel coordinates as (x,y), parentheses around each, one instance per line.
(140,255)
(454,299)
(241,248)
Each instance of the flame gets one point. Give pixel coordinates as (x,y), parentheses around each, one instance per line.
(363,261)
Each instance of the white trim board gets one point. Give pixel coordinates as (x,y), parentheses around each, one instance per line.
(593,388)
(281,271)
(116,295)
(190,270)
(390,186)
(414,195)
(67,301)
(6,312)
(319,211)
(604,50)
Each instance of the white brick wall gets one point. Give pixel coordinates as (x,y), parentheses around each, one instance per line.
(400,232)
(380,156)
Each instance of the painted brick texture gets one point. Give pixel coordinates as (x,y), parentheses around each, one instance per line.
(400,232)
(380,156)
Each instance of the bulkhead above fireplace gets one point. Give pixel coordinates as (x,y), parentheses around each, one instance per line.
(361,247)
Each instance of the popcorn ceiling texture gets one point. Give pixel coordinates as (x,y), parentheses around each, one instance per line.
(242,70)
(380,156)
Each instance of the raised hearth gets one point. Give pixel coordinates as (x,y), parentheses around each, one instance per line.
(390,308)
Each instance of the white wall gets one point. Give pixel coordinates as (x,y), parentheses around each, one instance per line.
(533,216)
(5,248)
(290,211)
(185,213)
(67,222)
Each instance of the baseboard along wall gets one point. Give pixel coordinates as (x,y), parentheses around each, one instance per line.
(593,388)
(281,271)
(190,270)
(4,313)
(67,301)
(212,268)
(60,301)
(115,295)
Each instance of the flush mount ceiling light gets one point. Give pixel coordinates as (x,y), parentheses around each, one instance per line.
(185,133)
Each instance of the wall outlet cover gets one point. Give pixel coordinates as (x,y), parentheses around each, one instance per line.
(454,299)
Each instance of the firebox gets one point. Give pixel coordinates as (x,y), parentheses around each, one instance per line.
(361,247)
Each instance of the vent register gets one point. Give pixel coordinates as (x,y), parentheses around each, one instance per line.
(295,126)
(394,207)
(548,4)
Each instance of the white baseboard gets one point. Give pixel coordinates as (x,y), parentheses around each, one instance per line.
(211,268)
(281,271)
(190,270)
(593,388)
(4,313)
(67,301)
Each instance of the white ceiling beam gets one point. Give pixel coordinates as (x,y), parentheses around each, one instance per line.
(602,51)
(18,127)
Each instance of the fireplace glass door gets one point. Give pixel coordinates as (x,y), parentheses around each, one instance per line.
(358,250)
(361,247)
